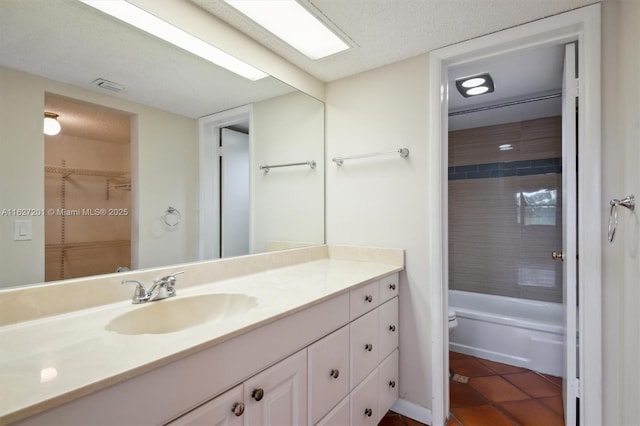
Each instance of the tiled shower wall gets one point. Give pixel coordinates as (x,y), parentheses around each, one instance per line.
(505,209)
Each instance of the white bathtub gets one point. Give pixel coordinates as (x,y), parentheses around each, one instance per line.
(520,332)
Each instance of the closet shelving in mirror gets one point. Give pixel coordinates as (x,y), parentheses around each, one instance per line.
(115,179)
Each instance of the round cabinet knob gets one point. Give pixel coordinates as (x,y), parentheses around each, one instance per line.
(392,383)
(392,286)
(368,298)
(368,412)
(392,327)
(238,408)
(368,347)
(257,394)
(334,373)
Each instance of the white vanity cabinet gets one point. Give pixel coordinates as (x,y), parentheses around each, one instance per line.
(276,396)
(333,363)
(373,354)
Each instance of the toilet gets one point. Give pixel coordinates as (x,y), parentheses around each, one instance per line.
(453,320)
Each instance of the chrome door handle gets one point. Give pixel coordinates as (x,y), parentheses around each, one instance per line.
(557,255)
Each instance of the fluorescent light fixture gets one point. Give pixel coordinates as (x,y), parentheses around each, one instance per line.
(475,85)
(294,24)
(155,26)
(505,147)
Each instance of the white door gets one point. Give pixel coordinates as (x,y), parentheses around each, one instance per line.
(234,194)
(569,234)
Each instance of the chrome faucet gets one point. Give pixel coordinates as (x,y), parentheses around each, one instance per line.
(161,289)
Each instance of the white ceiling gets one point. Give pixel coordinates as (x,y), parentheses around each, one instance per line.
(386,31)
(67,41)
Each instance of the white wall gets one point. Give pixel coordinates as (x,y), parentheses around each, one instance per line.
(166,159)
(621,177)
(287,204)
(382,201)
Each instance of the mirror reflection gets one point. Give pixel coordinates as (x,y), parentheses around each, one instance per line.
(138,175)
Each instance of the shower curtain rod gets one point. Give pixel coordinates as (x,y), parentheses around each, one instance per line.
(506,104)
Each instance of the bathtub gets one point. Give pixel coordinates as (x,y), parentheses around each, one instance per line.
(521,332)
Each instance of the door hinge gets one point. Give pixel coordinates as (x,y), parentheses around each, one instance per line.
(577,88)
(578,388)
(219,151)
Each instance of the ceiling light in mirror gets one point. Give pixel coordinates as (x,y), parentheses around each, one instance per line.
(51,125)
(155,26)
(294,24)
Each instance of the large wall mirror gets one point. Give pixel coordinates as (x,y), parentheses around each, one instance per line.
(142,123)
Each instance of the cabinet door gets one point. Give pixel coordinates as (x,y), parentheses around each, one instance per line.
(339,416)
(388,328)
(388,383)
(224,410)
(389,287)
(328,373)
(278,395)
(364,402)
(364,346)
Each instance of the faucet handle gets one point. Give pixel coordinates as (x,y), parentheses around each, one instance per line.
(140,294)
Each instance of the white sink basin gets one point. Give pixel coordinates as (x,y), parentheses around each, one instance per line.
(179,313)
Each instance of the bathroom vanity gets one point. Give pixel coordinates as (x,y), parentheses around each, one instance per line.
(305,336)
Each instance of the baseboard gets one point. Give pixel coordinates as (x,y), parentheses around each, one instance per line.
(413,411)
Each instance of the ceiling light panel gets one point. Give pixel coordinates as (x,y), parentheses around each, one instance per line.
(294,24)
(475,85)
(155,26)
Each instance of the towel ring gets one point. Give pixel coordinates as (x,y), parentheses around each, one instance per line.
(171,217)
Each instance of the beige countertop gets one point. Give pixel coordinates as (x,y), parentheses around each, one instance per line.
(49,361)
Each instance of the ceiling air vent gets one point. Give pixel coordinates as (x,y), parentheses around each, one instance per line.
(108,85)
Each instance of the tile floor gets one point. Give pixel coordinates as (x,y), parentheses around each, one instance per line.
(497,394)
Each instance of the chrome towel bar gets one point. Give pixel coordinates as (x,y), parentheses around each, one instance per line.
(266,168)
(404,153)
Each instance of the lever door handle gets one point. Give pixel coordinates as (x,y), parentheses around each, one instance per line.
(557,255)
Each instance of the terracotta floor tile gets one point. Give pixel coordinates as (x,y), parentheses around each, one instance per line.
(395,419)
(463,395)
(391,419)
(534,384)
(532,413)
(496,389)
(484,415)
(555,403)
(469,367)
(500,368)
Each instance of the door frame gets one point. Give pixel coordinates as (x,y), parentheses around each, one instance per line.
(582,25)
(209,176)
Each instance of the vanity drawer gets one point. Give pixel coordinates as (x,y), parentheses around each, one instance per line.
(388,328)
(364,402)
(389,287)
(328,373)
(388,383)
(364,346)
(364,299)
